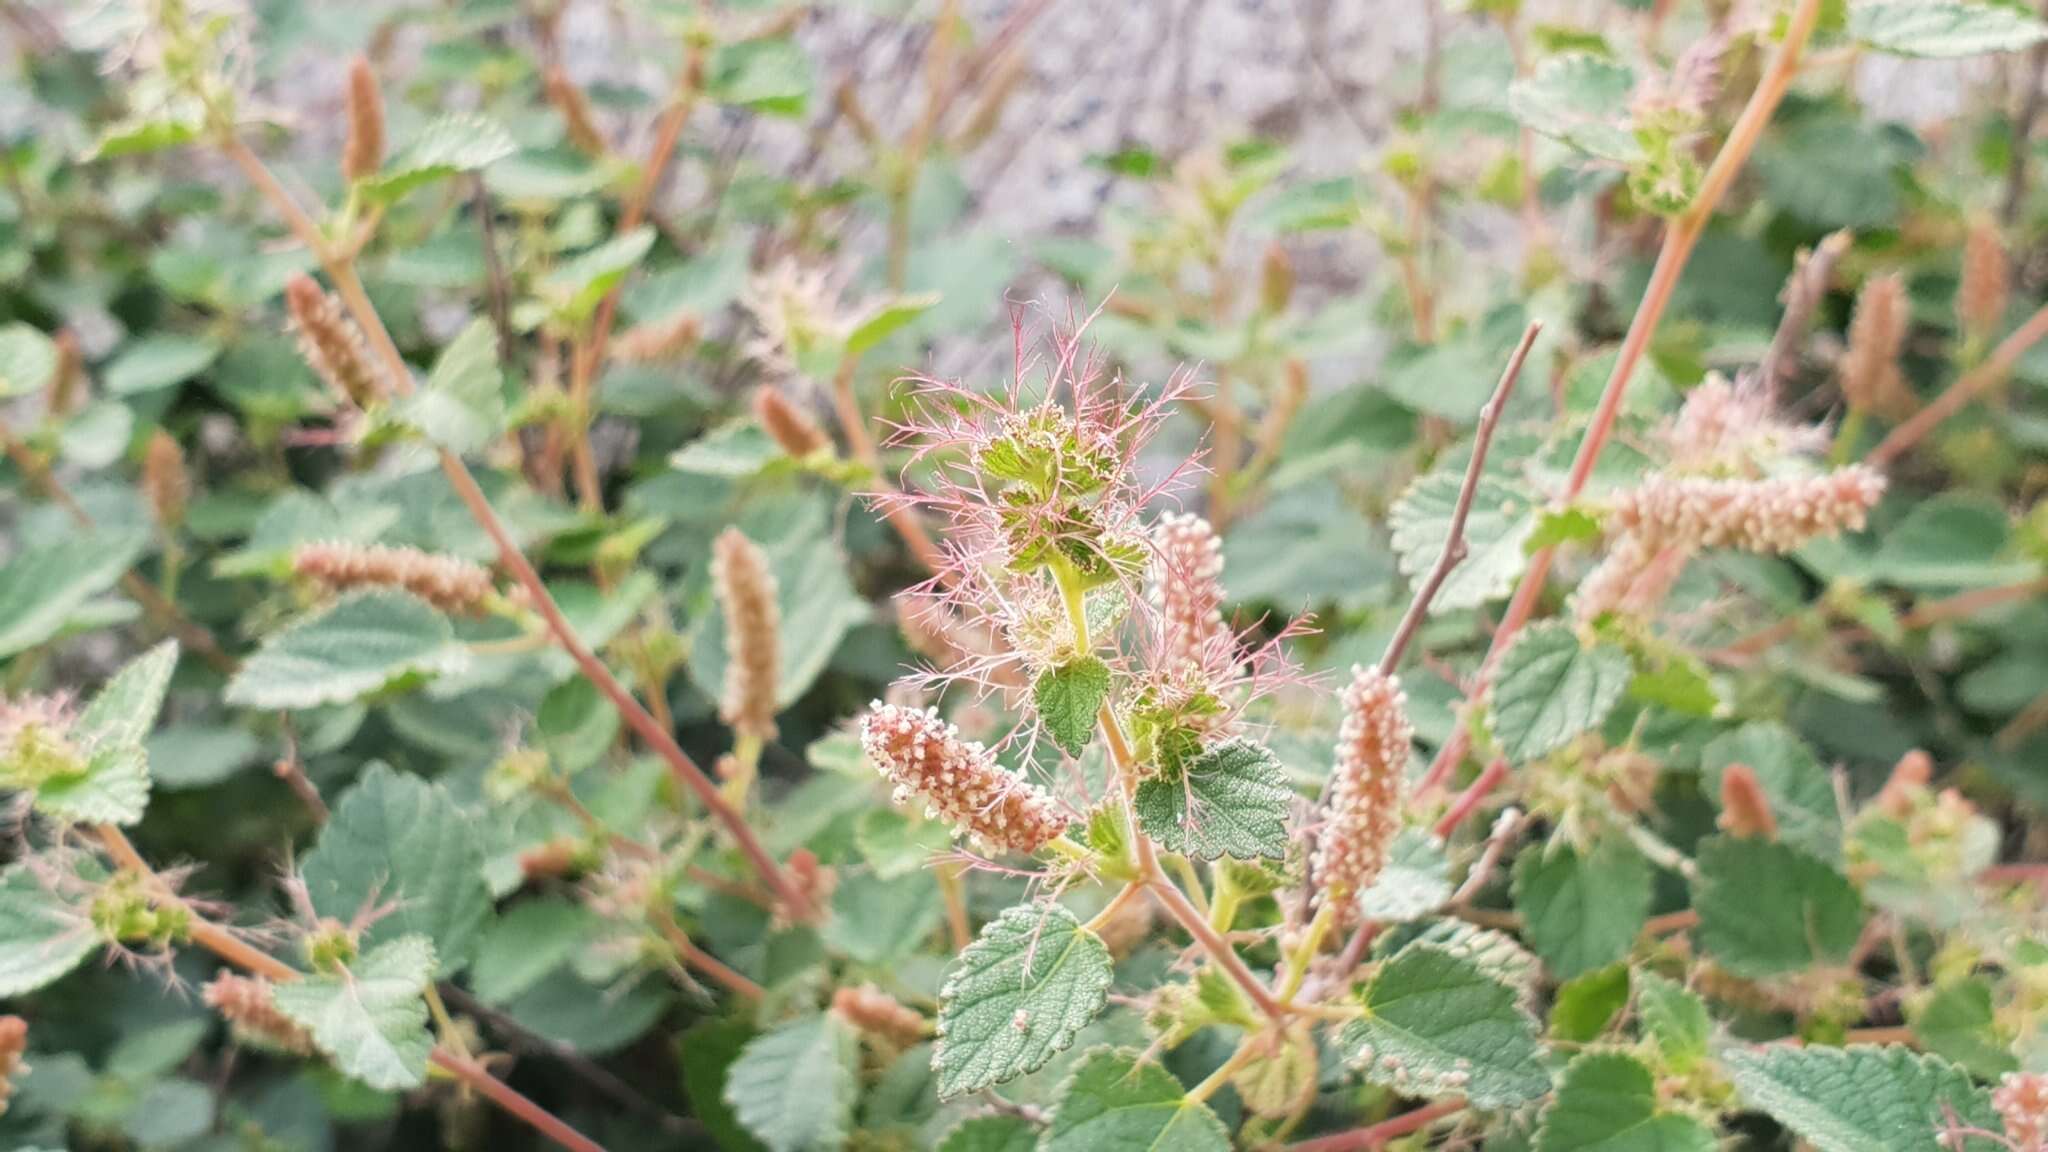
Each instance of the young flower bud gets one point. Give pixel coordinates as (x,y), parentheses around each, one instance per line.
(553,859)
(363,153)
(813,880)
(2021,1100)
(658,341)
(1986,286)
(877,1013)
(959,780)
(1908,780)
(1367,793)
(450,583)
(569,101)
(247,1004)
(163,480)
(1869,370)
(1276,280)
(35,743)
(1745,810)
(787,424)
(13,1043)
(331,344)
(1767,516)
(746,593)
(1187,566)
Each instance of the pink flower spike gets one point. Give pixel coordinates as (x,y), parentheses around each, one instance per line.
(1366,798)
(959,780)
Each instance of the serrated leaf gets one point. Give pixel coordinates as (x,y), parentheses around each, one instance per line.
(1942,27)
(1503,516)
(574,288)
(158,361)
(1767,908)
(878,921)
(350,649)
(125,710)
(452,144)
(1582,100)
(1551,688)
(1860,1099)
(1017,997)
(531,940)
(1415,882)
(113,789)
(1801,794)
(1438,1025)
(795,1088)
(707,1053)
(1581,913)
(1231,800)
(1586,1004)
(1067,699)
(1113,1102)
(135,136)
(999,1133)
(462,405)
(772,76)
(1607,1102)
(1958,1021)
(41,587)
(41,937)
(886,319)
(371,1019)
(399,840)
(1675,1020)
(28,359)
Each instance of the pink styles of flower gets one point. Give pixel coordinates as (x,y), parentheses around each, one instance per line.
(959,780)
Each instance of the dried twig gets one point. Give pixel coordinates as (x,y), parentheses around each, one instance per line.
(1804,290)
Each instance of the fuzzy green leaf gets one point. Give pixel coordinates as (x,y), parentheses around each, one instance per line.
(1415,882)
(574,288)
(450,145)
(1503,516)
(371,1019)
(999,1133)
(41,587)
(1958,1020)
(1675,1020)
(1231,800)
(887,318)
(1584,912)
(1607,1102)
(399,840)
(348,650)
(1438,1025)
(1582,100)
(125,711)
(795,1088)
(1800,790)
(41,937)
(531,940)
(1767,908)
(27,360)
(1018,996)
(1113,1102)
(1551,688)
(1067,699)
(1859,1099)
(1942,27)
(462,406)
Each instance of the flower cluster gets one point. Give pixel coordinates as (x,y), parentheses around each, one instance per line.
(959,780)
(36,744)
(248,1005)
(2022,1102)
(13,1044)
(1366,792)
(1187,592)
(1869,370)
(331,343)
(1768,516)
(746,592)
(450,583)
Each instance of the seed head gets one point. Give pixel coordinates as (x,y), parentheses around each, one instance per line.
(363,153)
(1367,794)
(877,1013)
(13,1043)
(1745,810)
(249,1006)
(450,583)
(787,424)
(1986,286)
(1767,516)
(1869,370)
(959,780)
(2022,1102)
(67,380)
(331,343)
(164,483)
(746,592)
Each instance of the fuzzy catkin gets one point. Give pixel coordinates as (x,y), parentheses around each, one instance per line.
(746,593)
(331,343)
(1631,580)
(13,1043)
(363,153)
(1745,810)
(2021,1101)
(164,483)
(959,780)
(250,1008)
(1367,793)
(1986,285)
(1766,516)
(787,425)
(450,583)
(877,1013)
(1187,591)
(1869,369)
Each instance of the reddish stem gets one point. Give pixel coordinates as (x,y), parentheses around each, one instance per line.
(1468,800)
(1378,1135)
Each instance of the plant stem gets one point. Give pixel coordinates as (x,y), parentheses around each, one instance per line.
(1380,1134)
(1468,800)
(1311,943)
(1115,905)
(1679,240)
(903,518)
(1994,369)
(1245,1053)
(502,1094)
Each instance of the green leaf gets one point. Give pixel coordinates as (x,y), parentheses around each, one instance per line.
(795,1088)
(1607,1102)
(707,1053)
(41,587)
(41,936)
(1587,1004)
(1832,169)
(398,840)
(886,319)
(28,359)
(1415,882)
(134,136)
(769,76)
(1438,1024)
(1958,1021)
(1503,516)
(1231,800)
(1017,997)
(158,361)
(1859,1099)
(462,406)
(1067,699)
(114,789)
(1552,688)
(574,288)
(998,1133)
(452,144)
(1767,908)
(878,921)
(1114,1102)
(1582,100)
(348,650)
(1801,794)
(1581,913)
(370,1019)
(1675,1020)
(1942,27)
(124,713)
(531,940)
